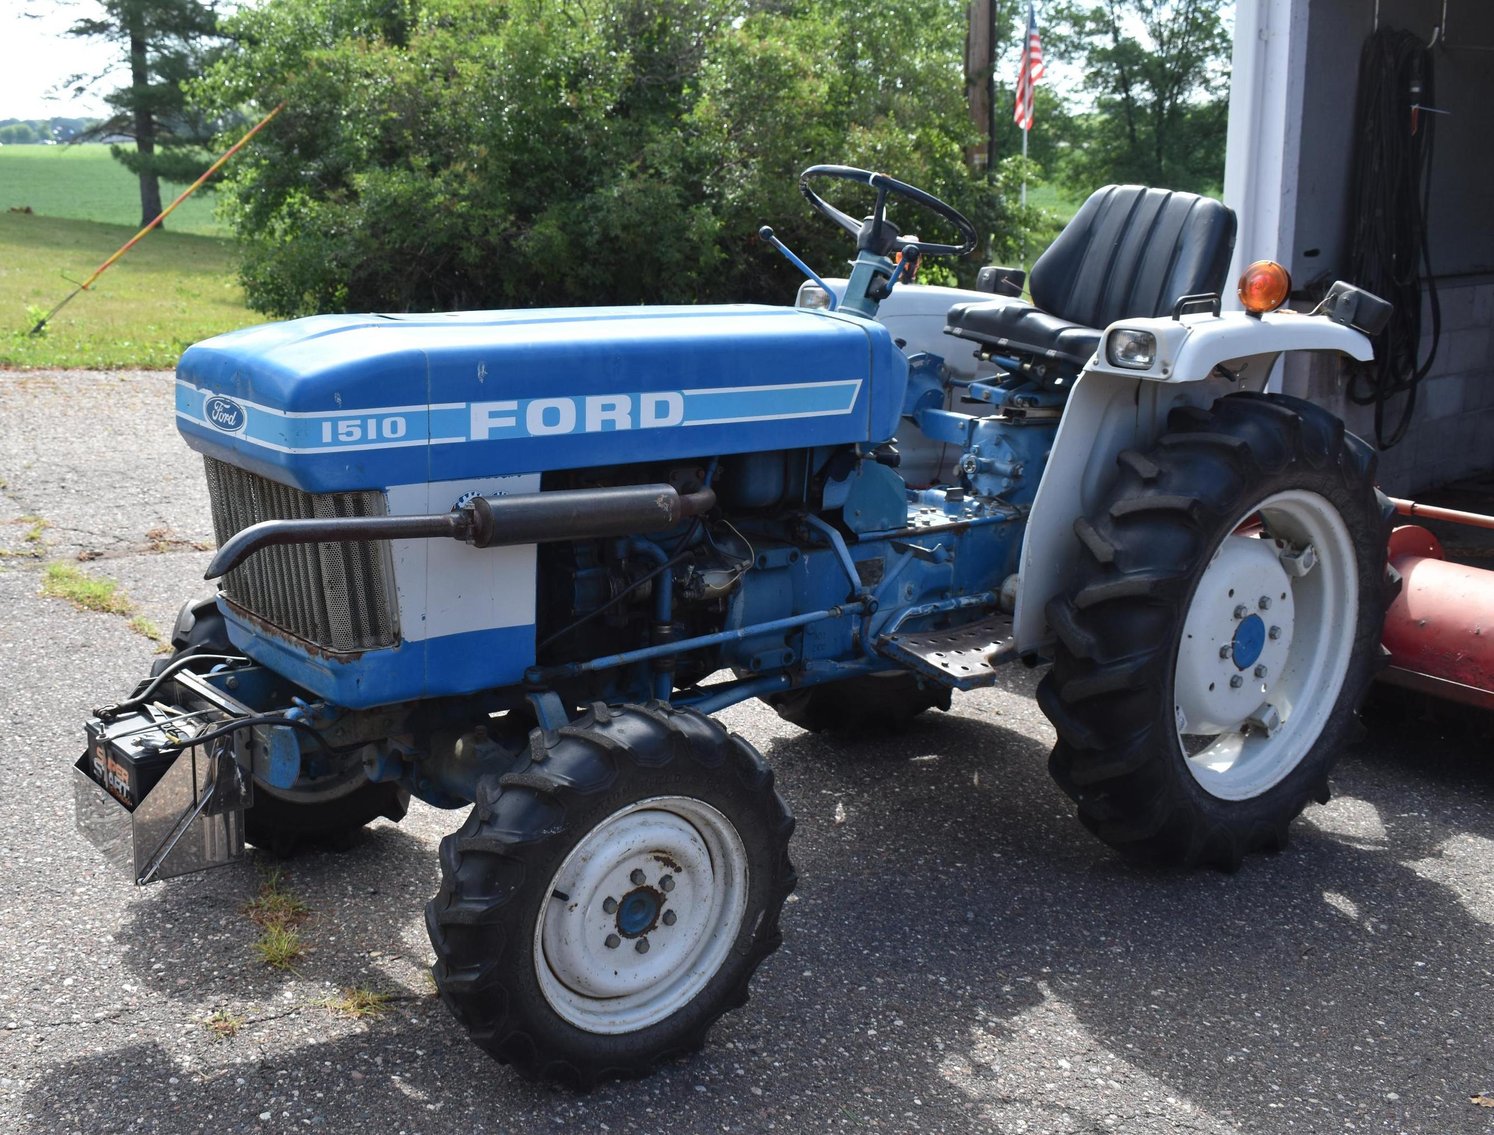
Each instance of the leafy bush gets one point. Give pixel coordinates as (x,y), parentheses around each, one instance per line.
(439,154)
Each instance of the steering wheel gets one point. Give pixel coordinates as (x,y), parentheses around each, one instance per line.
(876,233)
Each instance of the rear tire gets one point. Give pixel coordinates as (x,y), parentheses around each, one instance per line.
(601,909)
(1204,680)
(875,703)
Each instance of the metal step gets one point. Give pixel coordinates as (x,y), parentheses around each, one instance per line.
(963,657)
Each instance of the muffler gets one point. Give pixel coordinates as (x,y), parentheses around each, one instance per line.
(524,518)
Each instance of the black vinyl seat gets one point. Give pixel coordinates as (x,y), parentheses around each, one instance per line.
(1129,252)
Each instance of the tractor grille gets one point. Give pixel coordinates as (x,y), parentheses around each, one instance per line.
(336,596)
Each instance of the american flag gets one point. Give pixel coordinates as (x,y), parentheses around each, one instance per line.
(1029,72)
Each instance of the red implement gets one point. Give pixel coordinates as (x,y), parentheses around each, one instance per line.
(1440,629)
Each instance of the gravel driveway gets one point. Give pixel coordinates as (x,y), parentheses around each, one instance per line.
(961,955)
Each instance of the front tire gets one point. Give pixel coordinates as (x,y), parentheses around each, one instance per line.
(601,909)
(1223,628)
(328,812)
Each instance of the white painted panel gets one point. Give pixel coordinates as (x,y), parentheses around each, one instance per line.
(448,587)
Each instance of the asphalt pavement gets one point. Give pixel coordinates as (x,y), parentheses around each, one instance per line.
(961,956)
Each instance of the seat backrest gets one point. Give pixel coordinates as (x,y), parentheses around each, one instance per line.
(1132,251)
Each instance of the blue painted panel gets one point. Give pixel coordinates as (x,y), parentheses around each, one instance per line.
(436,667)
(353,402)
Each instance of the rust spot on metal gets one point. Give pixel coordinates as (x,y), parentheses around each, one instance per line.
(316,650)
(668,863)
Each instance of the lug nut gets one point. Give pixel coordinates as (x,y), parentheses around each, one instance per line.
(638,877)
(641,945)
(613,941)
(1265,603)
(1260,671)
(1241,611)
(666,884)
(670,918)
(1274,632)
(609,905)
(1224,651)
(1235,681)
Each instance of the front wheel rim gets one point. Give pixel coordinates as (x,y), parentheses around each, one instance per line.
(641,915)
(1266,645)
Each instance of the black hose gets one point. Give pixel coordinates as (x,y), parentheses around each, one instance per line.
(272,719)
(185,658)
(1388,220)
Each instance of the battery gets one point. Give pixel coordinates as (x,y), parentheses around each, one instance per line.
(124,753)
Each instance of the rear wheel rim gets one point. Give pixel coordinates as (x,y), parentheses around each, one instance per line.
(1266,645)
(641,915)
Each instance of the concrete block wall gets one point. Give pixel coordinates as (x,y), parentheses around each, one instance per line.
(1452,431)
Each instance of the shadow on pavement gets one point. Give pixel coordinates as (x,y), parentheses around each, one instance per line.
(953,925)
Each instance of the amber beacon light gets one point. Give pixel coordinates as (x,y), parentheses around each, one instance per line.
(1264,286)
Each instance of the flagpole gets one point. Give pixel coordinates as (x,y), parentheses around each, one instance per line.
(1025,129)
(1028,73)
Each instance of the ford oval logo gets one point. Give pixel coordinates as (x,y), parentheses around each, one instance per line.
(224,413)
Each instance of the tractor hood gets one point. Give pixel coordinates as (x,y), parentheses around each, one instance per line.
(341,402)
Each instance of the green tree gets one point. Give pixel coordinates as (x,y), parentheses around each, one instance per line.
(461,153)
(1157,72)
(163,43)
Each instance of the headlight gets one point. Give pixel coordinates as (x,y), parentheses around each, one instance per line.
(814,296)
(1134,350)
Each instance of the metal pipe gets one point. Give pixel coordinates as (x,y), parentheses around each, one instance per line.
(267,533)
(628,657)
(718,697)
(1432,512)
(663,611)
(525,518)
(580,514)
(980,600)
(842,553)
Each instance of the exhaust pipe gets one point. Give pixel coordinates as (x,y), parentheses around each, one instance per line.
(487,522)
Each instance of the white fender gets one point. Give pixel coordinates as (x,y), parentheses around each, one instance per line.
(1198,360)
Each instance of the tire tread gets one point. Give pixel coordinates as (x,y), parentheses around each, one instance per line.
(1114,756)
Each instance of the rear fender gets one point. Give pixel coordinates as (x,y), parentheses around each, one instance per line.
(1112,409)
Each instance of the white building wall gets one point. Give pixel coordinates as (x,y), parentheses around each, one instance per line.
(1287,177)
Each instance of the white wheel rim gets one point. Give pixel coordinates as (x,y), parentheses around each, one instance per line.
(641,915)
(1266,646)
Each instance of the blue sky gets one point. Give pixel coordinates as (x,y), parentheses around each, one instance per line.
(36,55)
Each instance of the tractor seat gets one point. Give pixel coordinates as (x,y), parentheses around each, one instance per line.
(1129,252)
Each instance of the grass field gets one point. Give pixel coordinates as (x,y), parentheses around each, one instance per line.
(175,287)
(171,290)
(83,183)
(1055,200)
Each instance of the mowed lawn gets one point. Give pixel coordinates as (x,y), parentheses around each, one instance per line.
(84,183)
(172,289)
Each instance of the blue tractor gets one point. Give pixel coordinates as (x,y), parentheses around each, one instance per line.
(513,561)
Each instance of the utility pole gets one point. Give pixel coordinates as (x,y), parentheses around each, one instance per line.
(980,74)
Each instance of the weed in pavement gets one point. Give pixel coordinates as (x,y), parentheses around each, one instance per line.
(85,592)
